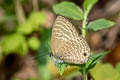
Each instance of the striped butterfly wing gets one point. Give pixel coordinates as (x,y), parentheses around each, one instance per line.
(67,42)
(62,30)
(74,51)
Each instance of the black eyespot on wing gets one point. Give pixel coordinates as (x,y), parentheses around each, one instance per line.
(84,54)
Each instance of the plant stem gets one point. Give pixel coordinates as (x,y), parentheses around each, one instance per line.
(19,12)
(84,24)
(84,35)
(84,74)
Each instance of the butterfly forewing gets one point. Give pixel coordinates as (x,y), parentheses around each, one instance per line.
(62,30)
(67,44)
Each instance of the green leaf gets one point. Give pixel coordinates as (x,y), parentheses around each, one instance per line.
(43,60)
(26,28)
(105,72)
(34,43)
(94,59)
(32,24)
(68,9)
(88,4)
(61,67)
(100,24)
(42,55)
(118,67)
(14,43)
(37,18)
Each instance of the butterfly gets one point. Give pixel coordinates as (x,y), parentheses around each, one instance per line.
(67,45)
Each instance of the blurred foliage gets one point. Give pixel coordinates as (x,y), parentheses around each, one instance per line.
(33,23)
(5,18)
(14,43)
(105,72)
(33,78)
(118,67)
(44,49)
(42,56)
(34,43)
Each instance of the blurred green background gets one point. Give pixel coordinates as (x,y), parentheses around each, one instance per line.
(25,34)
